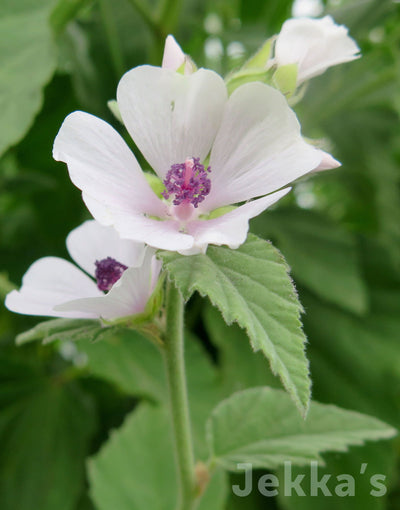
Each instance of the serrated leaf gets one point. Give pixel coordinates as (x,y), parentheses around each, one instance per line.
(267,431)
(363,464)
(251,286)
(28,60)
(60,329)
(135,468)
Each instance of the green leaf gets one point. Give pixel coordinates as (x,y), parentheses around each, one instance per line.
(65,329)
(28,60)
(267,431)
(45,430)
(135,365)
(135,469)
(322,255)
(240,368)
(362,463)
(251,286)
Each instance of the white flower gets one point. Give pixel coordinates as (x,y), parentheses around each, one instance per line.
(57,288)
(314,45)
(174,58)
(183,125)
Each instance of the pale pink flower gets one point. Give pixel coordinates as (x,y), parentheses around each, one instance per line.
(54,287)
(210,151)
(314,45)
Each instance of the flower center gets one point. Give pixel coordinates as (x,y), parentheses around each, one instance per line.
(188,182)
(108,271)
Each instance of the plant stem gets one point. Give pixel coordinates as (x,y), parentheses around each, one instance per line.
(148,18)
(175,367)
(113,38)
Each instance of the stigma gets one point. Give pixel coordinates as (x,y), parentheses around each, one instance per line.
(108,271)
(187,182)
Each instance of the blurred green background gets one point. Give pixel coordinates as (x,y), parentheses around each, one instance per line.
(339,230)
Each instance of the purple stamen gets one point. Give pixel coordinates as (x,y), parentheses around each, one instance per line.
(108,271)
(188,181)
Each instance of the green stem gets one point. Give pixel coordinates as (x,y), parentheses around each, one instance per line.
(175,368)
(148,18)
(113,38)
(169,14)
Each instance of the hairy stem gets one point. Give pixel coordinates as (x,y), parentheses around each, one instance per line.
(175,367)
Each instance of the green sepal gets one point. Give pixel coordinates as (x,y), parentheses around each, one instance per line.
(217,213)
(244,76)
(114,108)
(145,322)
(285,79)
(188,61)
(155,183)
(260,58)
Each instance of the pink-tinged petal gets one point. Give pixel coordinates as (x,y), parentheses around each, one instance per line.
(164,235)
(48,282)
(328,162)
(91,241)
(173,56)
(170,116)
(102,165)
(315,45)
(231,228)
(258,149)
(127,297)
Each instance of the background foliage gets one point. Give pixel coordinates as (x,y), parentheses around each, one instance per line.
(339,231)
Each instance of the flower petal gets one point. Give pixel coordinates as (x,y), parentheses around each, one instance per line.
(315,45)
(328,162)
(91,241)
(170,116)
(102,166)
(164,235)
(127,297)
(173,56)
(231,228)
(48,282)
(258,148)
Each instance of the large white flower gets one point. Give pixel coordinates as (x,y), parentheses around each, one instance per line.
(210,152)
(314,45)
(54,287)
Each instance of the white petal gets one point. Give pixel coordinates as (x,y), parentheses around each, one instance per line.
(258,149)
(173,56)
(102,166)
(170,116)
(328,162)
(48,282)
(164,235)
(91,241)
(315,45)
(127,297)
(231,228)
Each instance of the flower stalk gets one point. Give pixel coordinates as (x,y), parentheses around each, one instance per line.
(175,369)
